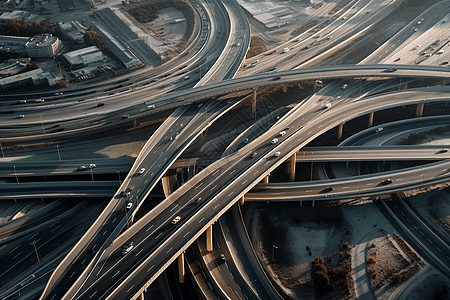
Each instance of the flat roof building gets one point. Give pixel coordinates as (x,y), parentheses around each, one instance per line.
(82,57)
(36,77)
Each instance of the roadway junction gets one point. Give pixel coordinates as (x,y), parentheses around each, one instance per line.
(95,267)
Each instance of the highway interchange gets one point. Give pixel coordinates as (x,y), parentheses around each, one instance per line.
(95,267)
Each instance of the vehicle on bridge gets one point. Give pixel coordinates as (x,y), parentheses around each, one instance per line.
(127,248)
(176,220)
(387,181)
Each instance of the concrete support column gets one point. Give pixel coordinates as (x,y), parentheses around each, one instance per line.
(181,269)
(314,86)
(135,123)
(314,202)
(340,129)
(284,88)
(266,179)
(404,86)
(419,109)
(209,239)
(253,101)
(42,199)
(301,203)
(141,296)
(292,169)
(370,120)
(443,82)
(242,201)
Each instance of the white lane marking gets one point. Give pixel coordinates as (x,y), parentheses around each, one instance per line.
(14,249)
(150,268)
(158,236)
(149,228)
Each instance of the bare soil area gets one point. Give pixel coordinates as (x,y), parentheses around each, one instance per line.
(390,261)
(156,16)
(299,236)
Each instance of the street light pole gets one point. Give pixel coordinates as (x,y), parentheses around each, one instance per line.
(59,155)
(43,129)
(92,174)
(17,179)
(273,251)
(3,154)
(118,173)
(35,250)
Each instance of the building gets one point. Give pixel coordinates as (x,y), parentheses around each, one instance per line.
(43,45)
(82,57)
(13,44)
(73,30)
(36,77)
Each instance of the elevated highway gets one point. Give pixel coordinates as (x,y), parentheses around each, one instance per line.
(240,164)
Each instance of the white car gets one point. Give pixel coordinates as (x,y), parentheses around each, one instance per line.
(39,100)
(277,154)
(175,220)
(127,248)
(379,129)
(129,205)
(274,141)
(91,166)
(344,86)
(282,133)
(141,171)
(81,168)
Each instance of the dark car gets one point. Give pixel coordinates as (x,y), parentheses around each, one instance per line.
(100,104)
(221,259)
(328,189)
(277,78)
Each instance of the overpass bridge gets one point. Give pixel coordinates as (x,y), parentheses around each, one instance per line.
(300,130)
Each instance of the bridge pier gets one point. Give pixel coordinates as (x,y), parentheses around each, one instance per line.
(135,123)
(404,86)
(141,296)
(292,167)
(209,239)
(266,179)
(419,109)
(443,82)
(340,129)
(242,201)
(314,202)
(42,199)
(181,269)
(254,101)
(285,88)
(301,203)
(370,120)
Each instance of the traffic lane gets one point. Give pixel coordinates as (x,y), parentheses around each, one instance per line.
(236,276)
(426,237)
(211,111)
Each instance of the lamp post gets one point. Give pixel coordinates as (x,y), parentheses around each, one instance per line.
(3,154)
(17,179)
(92,174)
(59,154)
(43,129)
(273,250)
(35,250)
(118,173)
